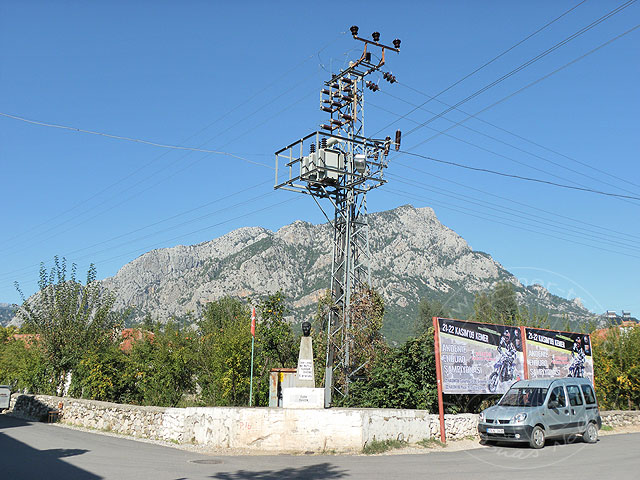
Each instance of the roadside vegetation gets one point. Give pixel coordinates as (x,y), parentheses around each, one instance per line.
(380,446)
(71,344)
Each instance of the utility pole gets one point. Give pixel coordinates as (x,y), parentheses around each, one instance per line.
(340,164)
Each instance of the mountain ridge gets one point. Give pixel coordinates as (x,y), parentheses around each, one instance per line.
(413,256)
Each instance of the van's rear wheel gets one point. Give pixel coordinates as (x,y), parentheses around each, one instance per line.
(537,437)
(591,434)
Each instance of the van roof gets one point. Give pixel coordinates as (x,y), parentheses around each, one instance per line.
(546,382)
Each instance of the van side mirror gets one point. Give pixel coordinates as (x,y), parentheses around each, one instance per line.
(553,404)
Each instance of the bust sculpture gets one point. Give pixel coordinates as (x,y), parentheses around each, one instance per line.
(306,329)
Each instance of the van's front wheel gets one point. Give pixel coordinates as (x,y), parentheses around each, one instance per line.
(591,434)
(537,437)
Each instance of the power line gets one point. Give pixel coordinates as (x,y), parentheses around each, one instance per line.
(528,140)
(504,143)
(519,177)
(130,139)
(544,77)
(223,116)
(527,63)
(592,226)
(139,192)
(217,200)
(158,244)
(492,151)
(466,211)
(500,55)
(562,227)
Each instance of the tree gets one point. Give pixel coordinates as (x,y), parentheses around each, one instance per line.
(274,335)
(225,352)
(483,310)
(367,317)
(504,303)
(616,357)
(70,318)
(160,370)
(427,309)
(365,339)
(23,365)
(403,377)
(104,375)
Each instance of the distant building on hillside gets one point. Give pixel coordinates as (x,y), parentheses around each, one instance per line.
(133,335)
(622,322)
(614,319)
(29,339)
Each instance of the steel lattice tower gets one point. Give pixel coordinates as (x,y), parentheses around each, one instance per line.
(342,165)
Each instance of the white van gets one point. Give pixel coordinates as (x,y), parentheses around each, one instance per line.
(534,410)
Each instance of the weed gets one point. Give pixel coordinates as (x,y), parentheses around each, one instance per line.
(606,428)
(431,443)
(380,446)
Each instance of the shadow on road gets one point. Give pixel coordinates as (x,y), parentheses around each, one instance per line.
(309,472)
(19,460)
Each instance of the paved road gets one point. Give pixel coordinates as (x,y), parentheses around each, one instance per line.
(40,451)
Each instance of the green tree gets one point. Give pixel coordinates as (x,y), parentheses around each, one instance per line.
(504,303)
(367,318)
(427,309)
(225,353)
(161,369)
(274,335)
(70,318)
(24,366)
(483,310)
(403,377)
(616,358)
(104,375)
(365,339)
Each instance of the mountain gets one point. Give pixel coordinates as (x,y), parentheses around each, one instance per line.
(413,256)
(7,312)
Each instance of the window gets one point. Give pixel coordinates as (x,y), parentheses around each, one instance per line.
(574,395)
(589,397)
(524,397)
(557,395)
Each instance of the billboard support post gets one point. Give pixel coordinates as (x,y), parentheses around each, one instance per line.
(436,335)
(524,353)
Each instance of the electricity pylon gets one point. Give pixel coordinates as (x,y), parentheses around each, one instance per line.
(340,164)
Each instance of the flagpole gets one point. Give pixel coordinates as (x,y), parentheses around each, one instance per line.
(253,338)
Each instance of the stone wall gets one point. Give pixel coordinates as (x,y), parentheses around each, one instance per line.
(620,418)
(272,429)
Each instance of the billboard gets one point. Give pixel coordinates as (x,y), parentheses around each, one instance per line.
(551,353)
(478,357)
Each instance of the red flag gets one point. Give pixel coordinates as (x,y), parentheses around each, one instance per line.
(253,322)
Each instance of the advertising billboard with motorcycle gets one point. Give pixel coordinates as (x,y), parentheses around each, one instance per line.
(479,357)
(558,354)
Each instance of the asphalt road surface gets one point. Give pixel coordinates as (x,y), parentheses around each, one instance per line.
(30,450)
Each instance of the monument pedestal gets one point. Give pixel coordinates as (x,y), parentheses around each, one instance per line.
(300,397)
(305,376)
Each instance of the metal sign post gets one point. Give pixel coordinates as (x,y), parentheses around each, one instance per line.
(253,339)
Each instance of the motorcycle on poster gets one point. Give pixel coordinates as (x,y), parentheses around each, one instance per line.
(479,357)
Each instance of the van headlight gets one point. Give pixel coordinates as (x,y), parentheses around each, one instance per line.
(519,418)
(481,417)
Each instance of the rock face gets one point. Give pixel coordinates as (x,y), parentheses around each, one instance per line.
(413,256)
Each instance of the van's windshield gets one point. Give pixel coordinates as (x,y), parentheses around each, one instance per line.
(523,397)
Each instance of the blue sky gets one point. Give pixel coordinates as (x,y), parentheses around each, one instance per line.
(244,78)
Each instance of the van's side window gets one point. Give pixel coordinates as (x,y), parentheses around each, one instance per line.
(557,395)
(589,397)
(574,395)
